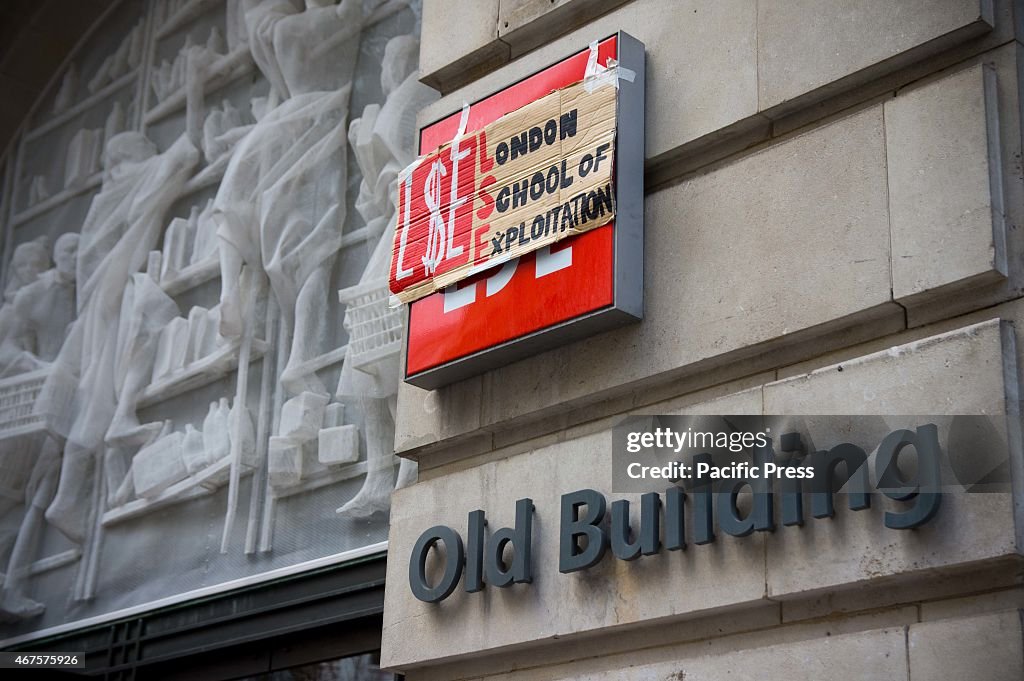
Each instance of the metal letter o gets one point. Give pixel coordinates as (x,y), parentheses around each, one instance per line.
(454,560)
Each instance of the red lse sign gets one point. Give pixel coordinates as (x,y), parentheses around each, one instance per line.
(494,308)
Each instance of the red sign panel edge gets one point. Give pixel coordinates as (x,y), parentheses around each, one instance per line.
(628,244)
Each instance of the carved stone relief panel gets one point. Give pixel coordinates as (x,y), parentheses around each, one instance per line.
(198,365)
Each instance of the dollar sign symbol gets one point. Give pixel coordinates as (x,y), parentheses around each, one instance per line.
(436,235)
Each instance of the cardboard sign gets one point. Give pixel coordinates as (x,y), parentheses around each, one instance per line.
(584,284)
(535,176)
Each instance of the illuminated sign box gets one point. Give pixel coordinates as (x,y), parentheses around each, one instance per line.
(555,143)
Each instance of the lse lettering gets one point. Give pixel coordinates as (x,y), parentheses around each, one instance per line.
(434,206)
(546,263)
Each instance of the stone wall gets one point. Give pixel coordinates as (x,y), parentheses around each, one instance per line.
(834,195)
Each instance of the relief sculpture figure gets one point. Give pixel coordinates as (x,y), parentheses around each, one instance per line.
(123,225)
(42,312)
(281,205)
(384,143)
(30,260)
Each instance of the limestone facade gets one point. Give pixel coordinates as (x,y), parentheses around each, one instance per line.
(833,201)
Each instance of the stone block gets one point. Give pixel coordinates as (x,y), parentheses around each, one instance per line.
(966,371)
(428,416)
(983,603)
(459,40)
(339,444)
(684,102)
(912,378)
(882,597)
(945,186)
(527,24)
(845,552)
(876,654)
(1006,63)
(302,416)
(988,647)
(810,48)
